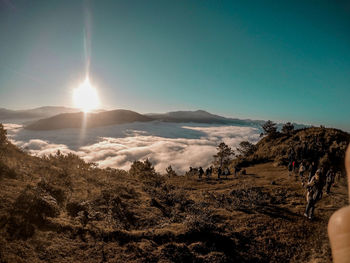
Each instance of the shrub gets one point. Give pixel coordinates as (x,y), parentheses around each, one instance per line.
(201,222)
(29,210)
(145,169)
(246,148)
(58,192)
(7,172)
(35,206)
(73,208)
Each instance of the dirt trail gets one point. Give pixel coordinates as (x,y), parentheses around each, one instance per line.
(281,218)
(256,217)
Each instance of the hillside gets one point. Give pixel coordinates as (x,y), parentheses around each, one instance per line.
(61,209)
(80,119)
(324,146)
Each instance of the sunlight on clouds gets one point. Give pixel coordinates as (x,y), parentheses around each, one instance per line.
(122,144)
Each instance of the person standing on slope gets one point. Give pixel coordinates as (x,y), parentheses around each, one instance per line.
(314,194)
(207,173)
(290,168)
(301,172)
(329,180)
(219,172)
(312,171)
(200,172)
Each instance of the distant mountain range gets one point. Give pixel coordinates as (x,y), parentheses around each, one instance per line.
(114,117)
(37,113)
(201,116)
(52,118)
(89,120)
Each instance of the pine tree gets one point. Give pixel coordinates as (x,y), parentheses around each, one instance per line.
(3,135)
(246,148)
(287,128)
(224,154)
(270,128)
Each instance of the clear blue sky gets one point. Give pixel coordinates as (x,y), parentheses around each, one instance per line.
(280,60)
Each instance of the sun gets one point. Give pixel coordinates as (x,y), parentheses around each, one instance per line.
(85,97)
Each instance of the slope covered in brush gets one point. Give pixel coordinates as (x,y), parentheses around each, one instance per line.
(326,146)
(62,209)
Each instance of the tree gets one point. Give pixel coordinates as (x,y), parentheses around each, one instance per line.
(224,154)
(246,148)
(3,140)
(3,135)
(287,128)
(269,128)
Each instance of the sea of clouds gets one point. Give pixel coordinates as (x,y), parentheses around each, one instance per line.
(178,144)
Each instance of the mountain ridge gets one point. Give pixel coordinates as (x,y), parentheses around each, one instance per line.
(35,113)
(89,120)
(33,117)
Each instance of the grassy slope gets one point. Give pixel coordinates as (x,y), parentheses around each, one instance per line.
(63,210)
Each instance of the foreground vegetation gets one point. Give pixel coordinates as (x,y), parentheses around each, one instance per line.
(61,209)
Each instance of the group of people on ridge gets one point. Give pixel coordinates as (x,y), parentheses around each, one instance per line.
(314,182)
(210,170)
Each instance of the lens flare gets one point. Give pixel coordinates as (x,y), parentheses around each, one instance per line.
(85,97)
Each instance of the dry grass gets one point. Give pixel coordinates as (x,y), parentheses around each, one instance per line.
(60,209)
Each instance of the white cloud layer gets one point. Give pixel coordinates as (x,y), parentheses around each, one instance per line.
(176,144)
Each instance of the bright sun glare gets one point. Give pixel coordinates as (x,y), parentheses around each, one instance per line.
(85,97)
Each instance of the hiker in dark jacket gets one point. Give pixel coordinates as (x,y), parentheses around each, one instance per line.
(207,172)
(237,169)
(219,172)
(314,194)
(226,172)
(200,172)
(329,180)
(291,154)
(290,168)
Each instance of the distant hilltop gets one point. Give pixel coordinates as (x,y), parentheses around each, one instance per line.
(201,116)
(88,120)
(42,112)
(52,118)
(115,117)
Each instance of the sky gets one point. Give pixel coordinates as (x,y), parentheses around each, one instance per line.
(279,60)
